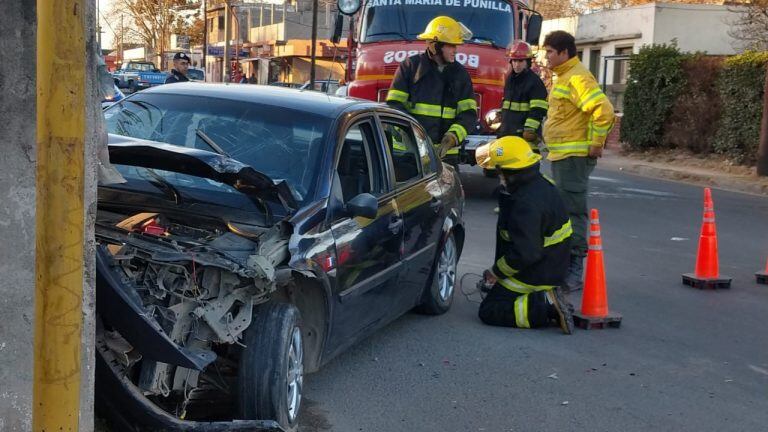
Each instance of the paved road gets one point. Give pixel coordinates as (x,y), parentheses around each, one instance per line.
(683,360)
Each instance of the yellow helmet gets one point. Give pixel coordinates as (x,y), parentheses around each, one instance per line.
(447,30)
(510,152)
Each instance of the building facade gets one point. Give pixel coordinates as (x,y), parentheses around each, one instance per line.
(605,39)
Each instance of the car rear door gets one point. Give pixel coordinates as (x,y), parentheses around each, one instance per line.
(419,198)
(367,250)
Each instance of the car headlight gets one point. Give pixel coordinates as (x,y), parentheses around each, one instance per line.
(493,119)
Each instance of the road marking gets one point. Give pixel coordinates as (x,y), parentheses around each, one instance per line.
(679,239)
(758,369)
(604,179)
(647,192)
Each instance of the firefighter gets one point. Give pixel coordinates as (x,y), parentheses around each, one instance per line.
(437,90)
(525,97)
(579,119)
(180,68)
(532,242)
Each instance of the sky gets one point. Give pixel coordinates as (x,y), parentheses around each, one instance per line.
(107,35)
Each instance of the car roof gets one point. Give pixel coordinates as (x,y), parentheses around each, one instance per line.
(281,97)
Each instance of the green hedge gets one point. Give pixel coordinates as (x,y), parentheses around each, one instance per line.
(655,80)
(741,86)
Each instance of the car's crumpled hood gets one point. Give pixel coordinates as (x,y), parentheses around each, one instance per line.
(200,163)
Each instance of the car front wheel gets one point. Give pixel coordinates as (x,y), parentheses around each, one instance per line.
(271,375)
(438,295)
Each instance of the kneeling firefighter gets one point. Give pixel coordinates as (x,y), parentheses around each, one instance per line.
(437,90)
(532,242)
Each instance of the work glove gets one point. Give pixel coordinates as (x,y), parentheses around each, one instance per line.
(530,135)
(448,142)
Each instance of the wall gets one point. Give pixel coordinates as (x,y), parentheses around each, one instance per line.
(696,27)
(17,213)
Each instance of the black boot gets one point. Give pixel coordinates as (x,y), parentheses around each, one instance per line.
(562,310)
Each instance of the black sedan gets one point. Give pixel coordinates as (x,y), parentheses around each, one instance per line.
(259,232)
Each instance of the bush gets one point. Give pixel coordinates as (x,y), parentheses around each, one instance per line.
(693,120)
(655,80)
(741,86)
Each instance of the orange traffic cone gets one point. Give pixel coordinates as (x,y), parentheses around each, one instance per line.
(707,273)
(594,311)
(762,277)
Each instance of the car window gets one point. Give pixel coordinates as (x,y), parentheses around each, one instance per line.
(426,153)
(405,153)
(358,167)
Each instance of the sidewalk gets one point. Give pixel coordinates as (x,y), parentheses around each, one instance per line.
(714,172)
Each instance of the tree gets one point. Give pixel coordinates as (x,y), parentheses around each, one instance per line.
(153,21)
(750,29)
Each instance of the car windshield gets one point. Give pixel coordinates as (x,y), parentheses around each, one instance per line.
(386,20)
(282,143)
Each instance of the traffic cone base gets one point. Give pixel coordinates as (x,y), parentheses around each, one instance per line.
(720,282)
(762,277)
(588,322)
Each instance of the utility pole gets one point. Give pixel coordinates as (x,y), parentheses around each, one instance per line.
(762,150)
(314,46)
(205,37)
(227,66)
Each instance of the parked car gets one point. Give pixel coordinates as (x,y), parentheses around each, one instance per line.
(324,86)
(138,75)
(260,232)
(196,74)
(117,96)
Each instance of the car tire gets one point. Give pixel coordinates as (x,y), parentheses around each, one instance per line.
(489,173)
(132,86)
(438,294)
(271,373)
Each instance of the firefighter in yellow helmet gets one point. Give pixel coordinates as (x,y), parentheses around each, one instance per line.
(437,90)
(532,242)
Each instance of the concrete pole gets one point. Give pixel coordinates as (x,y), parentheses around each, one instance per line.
(17,230)
(65,205)
(314,46)
(762,151)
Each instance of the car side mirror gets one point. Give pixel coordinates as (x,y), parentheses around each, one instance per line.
(533,31)
(364,205)
(338,29)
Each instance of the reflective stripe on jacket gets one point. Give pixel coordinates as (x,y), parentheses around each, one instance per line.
(580,115)
(525,104)
(532,235)
(441,101)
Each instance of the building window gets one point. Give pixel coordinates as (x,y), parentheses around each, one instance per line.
(221,22)
(580,55)
(621,69)
(594,62)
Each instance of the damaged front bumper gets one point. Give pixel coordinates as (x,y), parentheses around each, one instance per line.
(130,410)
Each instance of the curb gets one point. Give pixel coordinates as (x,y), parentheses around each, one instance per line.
(729,183)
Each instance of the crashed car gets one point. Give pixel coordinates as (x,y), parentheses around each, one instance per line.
(259,232)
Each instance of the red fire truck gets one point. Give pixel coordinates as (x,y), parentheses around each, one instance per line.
(383,34)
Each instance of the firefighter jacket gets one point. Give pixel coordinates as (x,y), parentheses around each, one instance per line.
(441,101)
(532,235)
(525,104)
(580,115)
